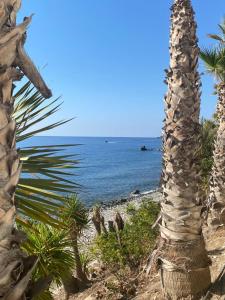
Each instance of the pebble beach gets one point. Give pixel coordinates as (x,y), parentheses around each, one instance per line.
(109,210)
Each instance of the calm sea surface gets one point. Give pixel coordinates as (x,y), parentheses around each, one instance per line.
(111,170)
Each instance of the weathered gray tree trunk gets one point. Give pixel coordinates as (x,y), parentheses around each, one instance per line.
(184,262)
(15,267)
(216,215)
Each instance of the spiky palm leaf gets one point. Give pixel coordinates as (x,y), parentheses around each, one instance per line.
(47,170)
(75,211)
(53,249)
(221,37)
(210,58)
(214,58)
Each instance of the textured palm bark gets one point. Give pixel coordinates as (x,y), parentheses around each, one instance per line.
(216,216)
(80,274)
(184,263)
(15,267)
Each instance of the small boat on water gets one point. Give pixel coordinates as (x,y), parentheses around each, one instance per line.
(143,148)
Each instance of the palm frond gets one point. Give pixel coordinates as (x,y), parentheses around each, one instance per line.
(220,38)
(75,211)
(222,27)
(216,37)
(53,249)
(31,109)
(214,61)
(211,58)
(46,295)
(46,170)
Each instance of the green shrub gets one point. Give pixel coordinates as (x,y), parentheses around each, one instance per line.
(128,247)
(55,259)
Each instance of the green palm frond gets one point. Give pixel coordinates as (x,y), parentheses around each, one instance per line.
(53,249)
(75,211)
(221,37)
(46,170)
(222,29)
(214,58)
(216,37)
(31,108)
(211,59)
(46,295)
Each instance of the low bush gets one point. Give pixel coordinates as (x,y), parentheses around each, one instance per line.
(55,258)
(128,247)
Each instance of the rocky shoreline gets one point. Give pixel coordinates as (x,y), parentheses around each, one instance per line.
(110,209)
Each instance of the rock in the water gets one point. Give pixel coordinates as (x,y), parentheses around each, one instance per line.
(136,192)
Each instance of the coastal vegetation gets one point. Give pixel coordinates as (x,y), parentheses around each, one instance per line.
(125,247)
(44,213)
(45,250)
(56,261)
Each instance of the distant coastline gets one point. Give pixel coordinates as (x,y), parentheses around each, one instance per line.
(110,171)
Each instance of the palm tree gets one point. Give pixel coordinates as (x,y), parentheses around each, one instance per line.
(55,259)
(214,60)
(15,267)
(184,262)
(75,216)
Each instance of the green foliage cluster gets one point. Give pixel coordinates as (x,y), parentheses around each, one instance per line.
(44,213)
(52,247)
(128,247)
(46,170)
(75,213)
(214,57)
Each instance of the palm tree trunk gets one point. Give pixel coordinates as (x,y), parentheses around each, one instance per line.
(216,216)
(184,262)
(15,268)
(80,274)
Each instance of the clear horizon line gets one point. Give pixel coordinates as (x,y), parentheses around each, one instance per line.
(99,136)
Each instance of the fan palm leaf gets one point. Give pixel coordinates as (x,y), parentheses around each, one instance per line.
(47,170)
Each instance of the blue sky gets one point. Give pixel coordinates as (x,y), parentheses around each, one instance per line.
(107,59)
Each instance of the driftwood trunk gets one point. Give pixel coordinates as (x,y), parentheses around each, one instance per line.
(184,265)
(15,267)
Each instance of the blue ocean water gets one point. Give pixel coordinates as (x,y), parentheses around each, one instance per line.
(113,169)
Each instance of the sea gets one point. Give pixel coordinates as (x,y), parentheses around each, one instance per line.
(110,168)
